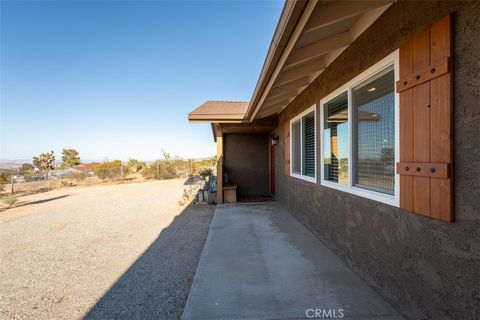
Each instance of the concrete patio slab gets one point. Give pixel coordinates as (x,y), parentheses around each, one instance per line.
(260,263)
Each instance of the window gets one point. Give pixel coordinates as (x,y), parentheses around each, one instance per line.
(374,132)
(296,142)
(303,146)
(308,145)
(335,139)
(359,134)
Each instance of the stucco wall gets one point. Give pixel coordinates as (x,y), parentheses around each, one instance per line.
(428,269)
(246,162)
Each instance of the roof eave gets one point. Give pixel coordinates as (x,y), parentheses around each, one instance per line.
(216,119)
(292,12)
(288,68)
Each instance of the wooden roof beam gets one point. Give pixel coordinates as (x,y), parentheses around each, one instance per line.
(301,71)
(273,108)
(291,86)
(287,96)
(275,105)
(319,48)
(337,11)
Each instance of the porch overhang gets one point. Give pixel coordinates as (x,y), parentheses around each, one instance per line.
(316,37)
(265,125)
(219,112)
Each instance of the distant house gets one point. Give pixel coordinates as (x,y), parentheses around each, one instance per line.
(352,126)
(62,173)
(83,168)
(88,168)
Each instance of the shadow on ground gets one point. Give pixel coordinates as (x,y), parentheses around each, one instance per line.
(24,193)
(27,203)
(157,285)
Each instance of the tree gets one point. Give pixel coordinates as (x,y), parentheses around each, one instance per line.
(26,168)
(3,180)
(70,158)
(45,162)
(388,156)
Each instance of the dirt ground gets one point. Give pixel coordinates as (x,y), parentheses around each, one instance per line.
(125,251)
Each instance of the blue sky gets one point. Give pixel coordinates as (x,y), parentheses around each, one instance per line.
(116,79)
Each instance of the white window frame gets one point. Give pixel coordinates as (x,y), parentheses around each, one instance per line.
(394,200)
(299,117)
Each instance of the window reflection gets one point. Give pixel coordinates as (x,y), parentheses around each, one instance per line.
(335,139)
(374,133)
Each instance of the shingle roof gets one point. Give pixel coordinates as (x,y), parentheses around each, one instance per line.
(219,110)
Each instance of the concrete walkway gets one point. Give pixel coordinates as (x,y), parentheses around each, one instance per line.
(260,263)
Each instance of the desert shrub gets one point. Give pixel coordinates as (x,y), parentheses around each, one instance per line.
(111,170)
(26,168)
(67,184)
(166,170)
(135,165)
(10,201)
(206,172)
(4,180)
(149,171)
(209,162)
(171,167)
(163,169)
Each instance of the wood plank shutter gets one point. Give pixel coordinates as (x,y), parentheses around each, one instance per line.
(286,147)
(426,143)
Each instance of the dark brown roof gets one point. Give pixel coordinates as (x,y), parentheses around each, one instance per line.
(212,111)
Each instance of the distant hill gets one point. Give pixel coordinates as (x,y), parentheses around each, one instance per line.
(13,164)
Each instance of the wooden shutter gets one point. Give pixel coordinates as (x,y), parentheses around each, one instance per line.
(425,88)
(286,147)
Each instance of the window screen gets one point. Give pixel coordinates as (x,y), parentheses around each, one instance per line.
(335,139)
(296,147)
(374,133)
(308,126)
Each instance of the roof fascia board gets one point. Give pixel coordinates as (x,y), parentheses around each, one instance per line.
(292,12)
(217,121)
(256,101)
(365,21)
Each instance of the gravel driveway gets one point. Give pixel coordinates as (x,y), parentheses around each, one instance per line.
(104,252)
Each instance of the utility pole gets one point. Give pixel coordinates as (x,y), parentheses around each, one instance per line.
(158,170)
(11,180)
